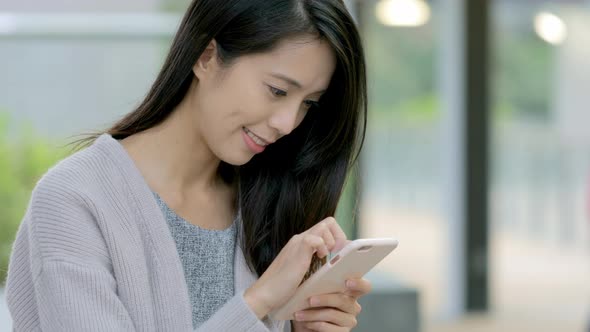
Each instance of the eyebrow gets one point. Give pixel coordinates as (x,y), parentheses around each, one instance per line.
(291,81)
(287,79)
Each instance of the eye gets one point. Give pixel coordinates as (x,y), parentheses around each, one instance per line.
(311,104)
(277,92)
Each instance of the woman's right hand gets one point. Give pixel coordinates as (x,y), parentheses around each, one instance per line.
(279,282)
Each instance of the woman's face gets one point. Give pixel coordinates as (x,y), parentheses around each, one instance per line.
(259,98)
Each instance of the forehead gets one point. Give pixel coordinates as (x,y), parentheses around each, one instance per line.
(310,61)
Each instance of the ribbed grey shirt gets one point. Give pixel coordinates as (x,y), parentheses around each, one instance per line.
(207,257)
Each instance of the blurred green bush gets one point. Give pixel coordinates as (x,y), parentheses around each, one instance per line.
(24,158)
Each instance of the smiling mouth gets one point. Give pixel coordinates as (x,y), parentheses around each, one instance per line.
(255,138)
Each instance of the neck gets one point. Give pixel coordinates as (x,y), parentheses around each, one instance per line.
(173,157)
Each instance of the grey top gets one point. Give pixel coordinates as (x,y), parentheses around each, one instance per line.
(207,257)
(94,253)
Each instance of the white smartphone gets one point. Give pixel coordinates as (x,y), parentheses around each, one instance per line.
(352,261)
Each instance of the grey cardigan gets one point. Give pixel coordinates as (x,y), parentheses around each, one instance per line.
(94,253)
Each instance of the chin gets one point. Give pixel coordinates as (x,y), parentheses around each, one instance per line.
(237,160)
(236,163)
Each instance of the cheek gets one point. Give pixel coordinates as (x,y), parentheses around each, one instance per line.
(252,110)
(209,118)
(231,105)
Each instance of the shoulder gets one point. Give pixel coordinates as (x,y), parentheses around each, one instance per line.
(81,179)
(67,182)
(65,212)
(75,190)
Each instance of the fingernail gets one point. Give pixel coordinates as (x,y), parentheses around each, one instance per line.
(350,283)
(299,316)
(314,301)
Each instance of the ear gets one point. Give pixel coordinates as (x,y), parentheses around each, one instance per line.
(207,62)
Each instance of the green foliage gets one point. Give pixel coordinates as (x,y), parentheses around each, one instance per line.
(402,71)
(23,161)
(400,63)
(522,67)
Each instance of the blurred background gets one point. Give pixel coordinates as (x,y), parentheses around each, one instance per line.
(477,155)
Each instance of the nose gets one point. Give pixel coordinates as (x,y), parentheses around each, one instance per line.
(286,118)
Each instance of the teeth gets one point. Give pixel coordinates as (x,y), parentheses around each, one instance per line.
(255,138)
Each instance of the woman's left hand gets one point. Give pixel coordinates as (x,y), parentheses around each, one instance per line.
(334,312)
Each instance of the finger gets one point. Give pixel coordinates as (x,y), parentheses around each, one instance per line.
(301,327)
(315,244)
(323,229)
(354,294)
(337,233)
(325,327)
(358,287)
(330,315)
(340,301)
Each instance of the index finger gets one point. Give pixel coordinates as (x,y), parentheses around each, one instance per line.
(337,232)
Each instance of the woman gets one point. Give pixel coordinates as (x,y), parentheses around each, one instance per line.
(206,206)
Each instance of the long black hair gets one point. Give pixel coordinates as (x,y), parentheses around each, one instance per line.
(297,181)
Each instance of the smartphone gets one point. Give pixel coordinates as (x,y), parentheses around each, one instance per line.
(352,261)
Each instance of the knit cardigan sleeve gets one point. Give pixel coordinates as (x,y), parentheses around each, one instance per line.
(235,315)
(60,277)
